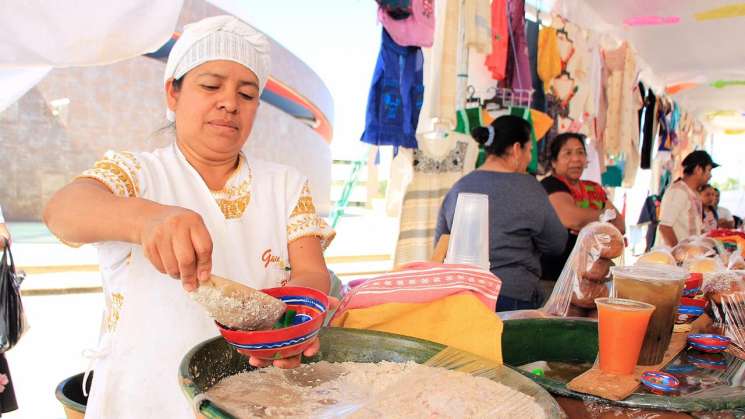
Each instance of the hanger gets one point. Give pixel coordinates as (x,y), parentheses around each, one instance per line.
(498,101)
(472,99)
(440,130)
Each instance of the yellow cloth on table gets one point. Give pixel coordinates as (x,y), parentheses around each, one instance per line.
(461,321)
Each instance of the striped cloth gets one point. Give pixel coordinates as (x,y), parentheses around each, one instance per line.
(423,282)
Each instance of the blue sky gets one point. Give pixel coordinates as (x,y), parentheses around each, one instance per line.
(339,40)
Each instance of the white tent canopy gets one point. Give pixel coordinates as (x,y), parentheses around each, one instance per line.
(38,36)
(704,47)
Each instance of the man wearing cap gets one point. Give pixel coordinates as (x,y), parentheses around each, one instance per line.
(681,212)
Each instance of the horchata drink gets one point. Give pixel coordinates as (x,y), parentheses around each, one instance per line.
(622,325)
(661,286)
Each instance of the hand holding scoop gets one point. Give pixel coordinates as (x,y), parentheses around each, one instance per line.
(238,306)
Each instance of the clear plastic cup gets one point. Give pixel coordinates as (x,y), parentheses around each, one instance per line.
(661,286)
(622,325)
(469,235)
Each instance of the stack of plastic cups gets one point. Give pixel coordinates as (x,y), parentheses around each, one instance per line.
(469,235)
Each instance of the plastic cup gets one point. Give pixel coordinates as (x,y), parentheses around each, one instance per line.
(469,235)
(661,286)
(622,325)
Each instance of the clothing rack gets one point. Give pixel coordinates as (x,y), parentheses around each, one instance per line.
(505,97)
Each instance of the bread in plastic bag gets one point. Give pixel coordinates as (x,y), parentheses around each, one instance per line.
(585,293)
(692,249)
(657,255)
(605,239)
(703,264)
(716,284)
(598,271)
(574,293)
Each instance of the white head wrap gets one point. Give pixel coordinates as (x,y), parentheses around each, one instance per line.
(218,38)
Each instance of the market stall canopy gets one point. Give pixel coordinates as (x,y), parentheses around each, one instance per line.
(692,49)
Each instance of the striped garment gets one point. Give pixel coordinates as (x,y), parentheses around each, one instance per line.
(432,179)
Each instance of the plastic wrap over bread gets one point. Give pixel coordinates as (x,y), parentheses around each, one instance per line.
(586,275)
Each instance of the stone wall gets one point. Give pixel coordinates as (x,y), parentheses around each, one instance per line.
(65,123)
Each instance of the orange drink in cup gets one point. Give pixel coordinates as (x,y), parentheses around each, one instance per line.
(622,325)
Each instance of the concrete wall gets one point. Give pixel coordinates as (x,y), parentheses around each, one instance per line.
(64,124)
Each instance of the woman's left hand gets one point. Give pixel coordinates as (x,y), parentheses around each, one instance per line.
(294,361)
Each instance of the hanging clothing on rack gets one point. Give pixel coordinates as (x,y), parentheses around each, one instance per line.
(496,61)
(663,116)
(539,95)
(445,57)
(647,120)
(622,130)
(517,75)
(549,59)
(477,17)
(417,30)
(395,97)
(437,165)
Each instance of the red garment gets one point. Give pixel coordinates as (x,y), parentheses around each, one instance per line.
(497,60)
(586,194)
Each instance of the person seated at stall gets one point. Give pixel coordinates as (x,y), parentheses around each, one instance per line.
(680,209)
(710,217)
(578,202)
(726,218)
(522,223)
(193,208)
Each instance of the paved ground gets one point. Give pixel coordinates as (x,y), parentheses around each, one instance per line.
(61,327)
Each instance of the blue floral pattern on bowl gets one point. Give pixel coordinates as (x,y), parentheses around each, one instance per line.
(660,382)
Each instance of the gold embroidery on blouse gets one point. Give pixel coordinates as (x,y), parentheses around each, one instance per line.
(131,159)
(117,301)
(121,175)
(304,206)
(117,172)
(235,208)
(233,200)
(310,225)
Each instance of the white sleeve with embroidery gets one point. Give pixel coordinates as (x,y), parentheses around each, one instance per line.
(119,171)
(304,221)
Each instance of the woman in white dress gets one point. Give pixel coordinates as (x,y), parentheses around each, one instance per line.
(196,207)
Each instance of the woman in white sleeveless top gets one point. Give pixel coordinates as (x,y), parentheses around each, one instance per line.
(196,207)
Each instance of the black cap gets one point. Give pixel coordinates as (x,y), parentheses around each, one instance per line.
(699,158)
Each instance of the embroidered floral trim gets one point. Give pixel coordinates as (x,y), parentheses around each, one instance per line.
(118,171)
(453,162)
(304,203)
(233,200)
(310,225)
(114,311)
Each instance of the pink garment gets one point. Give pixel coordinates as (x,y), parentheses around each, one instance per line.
(423,282)
(417,30)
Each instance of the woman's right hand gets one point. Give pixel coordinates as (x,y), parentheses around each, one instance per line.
(177,243)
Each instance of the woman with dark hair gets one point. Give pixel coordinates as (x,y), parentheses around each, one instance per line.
(578,202)
(522,223)
(708,200)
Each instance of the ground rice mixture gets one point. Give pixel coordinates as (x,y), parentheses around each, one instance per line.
(362,390)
